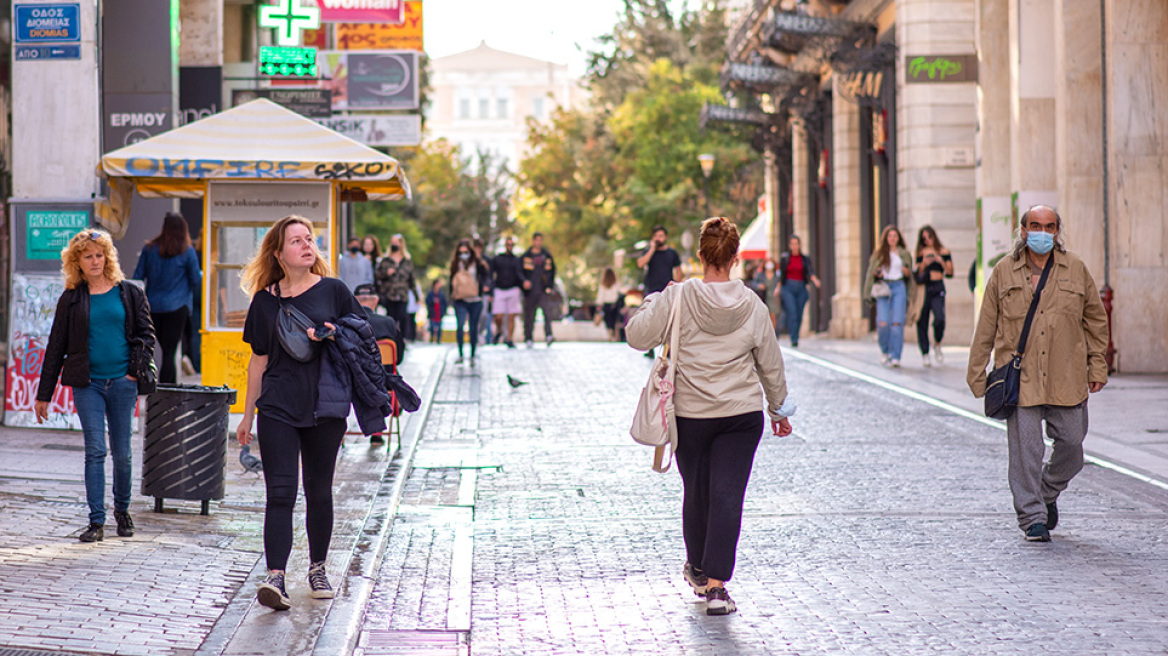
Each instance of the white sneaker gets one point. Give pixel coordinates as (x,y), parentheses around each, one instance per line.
(937,354)
(895,364)
(885,359)
(925,360)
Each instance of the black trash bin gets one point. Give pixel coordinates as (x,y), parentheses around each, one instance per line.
(185,446)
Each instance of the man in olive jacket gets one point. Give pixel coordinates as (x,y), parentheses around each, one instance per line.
(1062,362)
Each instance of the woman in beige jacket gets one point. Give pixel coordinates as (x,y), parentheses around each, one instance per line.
(726,348)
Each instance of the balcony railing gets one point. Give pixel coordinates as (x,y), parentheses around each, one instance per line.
(762,78)
(748,29)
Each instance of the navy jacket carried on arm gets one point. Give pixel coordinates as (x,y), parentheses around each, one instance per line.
(351,373)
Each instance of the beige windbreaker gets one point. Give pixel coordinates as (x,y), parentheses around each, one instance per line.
(726,347)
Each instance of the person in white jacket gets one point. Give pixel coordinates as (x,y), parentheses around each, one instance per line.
(726,348)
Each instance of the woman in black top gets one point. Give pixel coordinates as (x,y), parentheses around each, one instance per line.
(470,281)
(289,269)
(933,265)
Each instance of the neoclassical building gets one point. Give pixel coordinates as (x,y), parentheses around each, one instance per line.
(959,114)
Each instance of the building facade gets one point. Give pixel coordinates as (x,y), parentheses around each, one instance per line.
(482,99)
(960,114)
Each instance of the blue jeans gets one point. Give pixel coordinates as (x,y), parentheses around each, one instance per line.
(104,401)
(462,311)
(890,311)
(794,295)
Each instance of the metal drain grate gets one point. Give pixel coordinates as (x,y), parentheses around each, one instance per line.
(413,643)
(4,651)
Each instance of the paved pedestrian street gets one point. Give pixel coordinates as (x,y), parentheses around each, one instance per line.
(882,526)
(524,520)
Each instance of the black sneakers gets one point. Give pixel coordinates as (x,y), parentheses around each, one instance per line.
(318,581)
(125,524)
(1051,515)
(695,578)
(94,533)
(271,593)
(718,602)
(1038,533)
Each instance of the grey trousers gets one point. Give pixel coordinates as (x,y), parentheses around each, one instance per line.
(1033,483)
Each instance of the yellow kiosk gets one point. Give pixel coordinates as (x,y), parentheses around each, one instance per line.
(252,165)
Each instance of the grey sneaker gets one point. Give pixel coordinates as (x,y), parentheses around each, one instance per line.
(696,579)
(1037,533)
(318,581)
(718,602)
(271,593)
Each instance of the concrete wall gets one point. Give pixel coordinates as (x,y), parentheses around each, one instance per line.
(847,320)
(936,126)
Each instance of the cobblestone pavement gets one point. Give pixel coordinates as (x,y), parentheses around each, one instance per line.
(532,524)
(184,584)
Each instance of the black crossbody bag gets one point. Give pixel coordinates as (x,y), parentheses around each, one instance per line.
(1003,383)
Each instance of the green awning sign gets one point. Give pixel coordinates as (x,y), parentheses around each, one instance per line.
(50,231)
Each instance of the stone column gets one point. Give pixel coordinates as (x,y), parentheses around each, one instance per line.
(936,126)
(799,209)
(202,33)
(847,320)
(1137,86)
(992,149)
(1032,103)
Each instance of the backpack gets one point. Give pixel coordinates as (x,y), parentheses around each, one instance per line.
(465,285)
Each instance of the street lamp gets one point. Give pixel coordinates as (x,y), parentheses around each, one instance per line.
(707,162)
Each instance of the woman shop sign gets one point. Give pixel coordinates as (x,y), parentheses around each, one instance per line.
(362,11)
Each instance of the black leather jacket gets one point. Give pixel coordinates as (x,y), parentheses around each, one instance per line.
(67,354)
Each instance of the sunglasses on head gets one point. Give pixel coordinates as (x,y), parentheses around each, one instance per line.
(94,235)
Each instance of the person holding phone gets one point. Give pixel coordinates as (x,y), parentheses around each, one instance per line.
(288,269)
(661,264)
(933,265)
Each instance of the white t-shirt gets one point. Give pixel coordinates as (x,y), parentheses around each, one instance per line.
(895,268)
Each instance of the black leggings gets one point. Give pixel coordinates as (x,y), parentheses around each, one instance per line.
(169,327)
(281,446)
(714,457)
(935,303)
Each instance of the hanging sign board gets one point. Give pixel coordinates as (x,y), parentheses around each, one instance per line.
(361,11)
(406,35)
(379,129)
(313,103)
(386,79)
(49,231)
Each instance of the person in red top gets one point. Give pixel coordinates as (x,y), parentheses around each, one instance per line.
(795,271)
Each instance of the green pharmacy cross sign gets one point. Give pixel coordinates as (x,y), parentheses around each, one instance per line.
(288,18)
(280,61)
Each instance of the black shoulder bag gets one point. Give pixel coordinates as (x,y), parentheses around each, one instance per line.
(292,330)
(1003,383)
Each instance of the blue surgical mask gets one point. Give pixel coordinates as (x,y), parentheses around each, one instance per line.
(1040,242)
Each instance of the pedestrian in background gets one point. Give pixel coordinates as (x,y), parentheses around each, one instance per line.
(726,347)
(486,322)
(170,268)
(889,283)
(539,280)
(436,305)
(384,328)
(1063,361)
(607,294)
(289,271)
(796,269)
(766,284)
(506,291)
(395,279)
(933,264)
(469,283)
(101,343)
(192,340)
(660,263)
(410,330)
(353,268)
(371,248)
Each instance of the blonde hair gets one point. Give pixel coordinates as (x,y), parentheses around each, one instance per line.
(404,251)
(264,269)
(71,257)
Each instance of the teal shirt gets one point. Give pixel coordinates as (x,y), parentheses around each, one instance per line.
(109,352)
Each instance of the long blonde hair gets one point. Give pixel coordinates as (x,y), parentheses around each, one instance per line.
(264,269)
(71,257)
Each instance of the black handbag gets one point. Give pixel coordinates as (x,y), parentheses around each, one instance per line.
(292,330)
(1004,383)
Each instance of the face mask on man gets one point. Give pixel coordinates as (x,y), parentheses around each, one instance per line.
(1040,242)
(354,249)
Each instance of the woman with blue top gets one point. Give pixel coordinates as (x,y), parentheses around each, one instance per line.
(170,268)
(101,343)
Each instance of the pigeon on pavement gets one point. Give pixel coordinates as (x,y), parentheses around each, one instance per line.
(514,382)
(250,462)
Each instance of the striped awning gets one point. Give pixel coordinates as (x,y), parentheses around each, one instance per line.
(259,140)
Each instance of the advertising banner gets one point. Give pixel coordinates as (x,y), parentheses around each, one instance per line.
(997,232)
(378,130)
(372,36)
(361,11)
(313,103)
(386,79)
(34,303)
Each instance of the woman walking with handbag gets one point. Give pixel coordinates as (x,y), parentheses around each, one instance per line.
(469,282)
(102,345)
(395,279)
(889,283)
(726,347)
(289,277)
(169,266)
